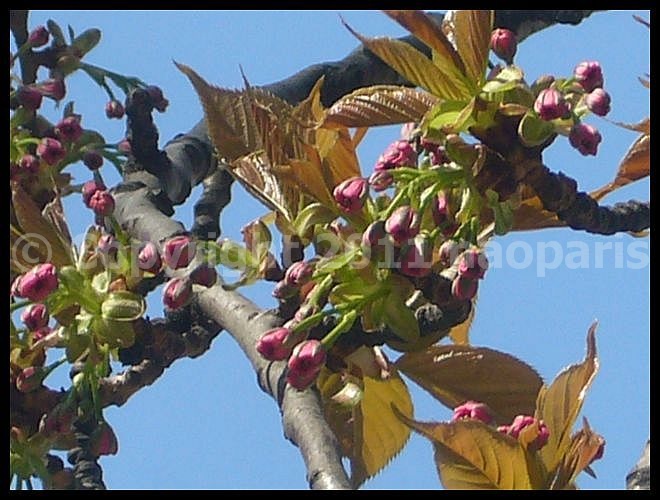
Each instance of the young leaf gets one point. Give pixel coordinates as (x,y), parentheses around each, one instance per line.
(636,164)
(379,105)
(533,131)
(400,318)
(417,68)
(471,455)
(559,405)
(472,30)
(454,374)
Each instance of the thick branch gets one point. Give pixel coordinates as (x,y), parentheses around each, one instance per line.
(639,477)
(302,417)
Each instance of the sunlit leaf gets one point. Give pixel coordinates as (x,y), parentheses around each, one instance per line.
(460,334)
(636,164)
(471,455)
(379,105)
(37,230)
(472,30)
(583,448)
(533,131)
(400,318)
(417,68)
(454,374)
(560,404)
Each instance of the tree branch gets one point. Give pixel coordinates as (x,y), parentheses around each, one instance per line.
(639,477)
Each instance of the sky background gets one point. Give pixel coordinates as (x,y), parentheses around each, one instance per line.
(205,424)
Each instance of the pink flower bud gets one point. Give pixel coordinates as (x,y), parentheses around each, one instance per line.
(473,410)
(351,194)
(381,180)
(114,109)
(589,75)
(521,422)
(51,151)
(157,98)
(402,225)
(177,293)
(398,154)
(440,210)
(107,243)
(30,378)
(29,164)
(464,288)
(298,274)
(598,102)
(102,203)
(585,138)
(69,129)
(375,235)
(89,188)
(416,259)
(92,160)
(272,345)
(38,283)
(55,89)
(436,152)
(472,264)
(204,275)
(41,333)
(179,251)
(149,259)
(550,104)
(35,317)
(38,37)
(305,363)
(504,44)
(103,441)
(448,252)
(29,97)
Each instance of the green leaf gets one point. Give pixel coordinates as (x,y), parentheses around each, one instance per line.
(86,41)
(509,78)
(76,344)
(454,374)
(471,455)
(559,405)
(400,318)
(312,214)
(472,31)
(533,131)
(118,334)
(56,32)
(448,117)
(123,306)
(417,68)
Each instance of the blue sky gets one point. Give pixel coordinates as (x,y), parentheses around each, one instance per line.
(205,424)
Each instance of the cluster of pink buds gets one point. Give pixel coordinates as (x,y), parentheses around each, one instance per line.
(51,151)
(351,194)
(473,410)
(398,154)
(472,266)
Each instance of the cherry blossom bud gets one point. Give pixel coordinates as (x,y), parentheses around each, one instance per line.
(92,160)
(585,138)
(521,422)
(472,410)
(305,363)
(375,235)
(398,154)
(30,378)
(89,188)
(472,264)
(55,89)
(298,274)
(103,441)
(102,203)
(464,288)
(38,37)
(41,333)
(402,225)
(35,317)
(114,109)
(589,75)
(149,259)
(51,150)
(29,164)
(179,251)
(124,146)
(504,44)
(69,129)
(177,293)
(37,284)
(380,180)
(416,258)
(550,104)
(272,345)
(283,290)
(448,252)
(598,102)
(29,97)
(351,194)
